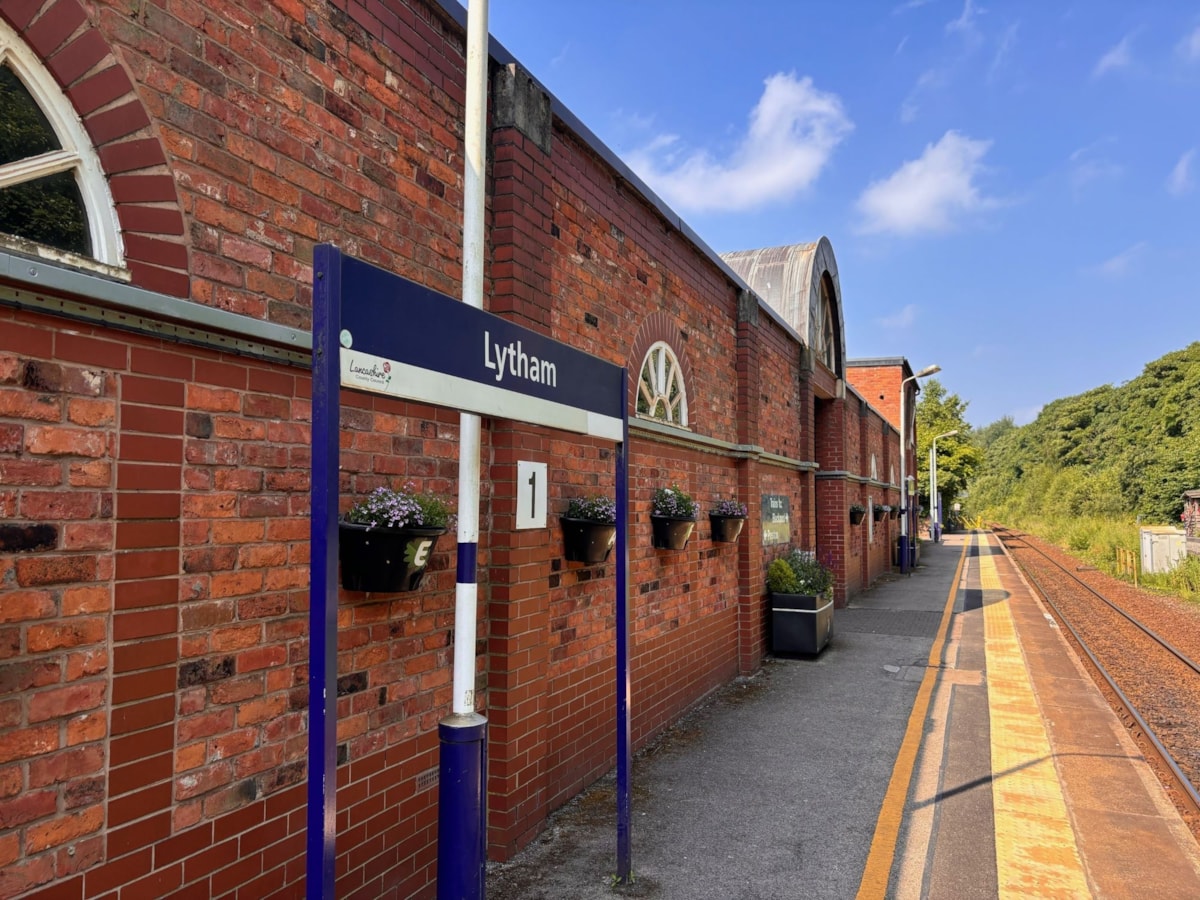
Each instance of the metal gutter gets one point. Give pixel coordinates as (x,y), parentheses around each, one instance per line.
(45,287)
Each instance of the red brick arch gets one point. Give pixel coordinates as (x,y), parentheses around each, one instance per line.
(660,326)
(132,157)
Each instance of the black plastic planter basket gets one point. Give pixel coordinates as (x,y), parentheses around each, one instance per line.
(671,534)
(587,541)
(726,529)
(384,559)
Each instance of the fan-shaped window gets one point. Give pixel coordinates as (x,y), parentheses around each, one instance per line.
(53,194)
(661,393)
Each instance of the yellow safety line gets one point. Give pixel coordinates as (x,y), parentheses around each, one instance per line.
(1035,844)
(874,882)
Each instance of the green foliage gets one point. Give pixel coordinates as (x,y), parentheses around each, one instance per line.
(1182,581)
(673,502)
(781,579)
(594,508)
(1111,452)
(799,572)
(958,455)
(1096,539)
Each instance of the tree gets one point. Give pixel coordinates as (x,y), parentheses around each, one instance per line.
(958,455)
(1110,452)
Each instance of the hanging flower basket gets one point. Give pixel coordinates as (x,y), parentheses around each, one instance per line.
(879,512)
(385,559)
(587,541)
(387,539)
(726,529)
(894,512)
(857,513)
(727,519)
(672,516)
(671,533)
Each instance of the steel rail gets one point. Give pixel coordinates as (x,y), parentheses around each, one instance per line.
(1184,782)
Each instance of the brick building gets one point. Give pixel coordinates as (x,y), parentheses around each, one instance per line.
(155,403)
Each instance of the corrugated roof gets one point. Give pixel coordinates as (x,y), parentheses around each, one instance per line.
(789,279)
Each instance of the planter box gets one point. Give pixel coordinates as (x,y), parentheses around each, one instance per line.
(671,534)
(800,623)
(857,517)
(384,559)
(726,529)
(587,541)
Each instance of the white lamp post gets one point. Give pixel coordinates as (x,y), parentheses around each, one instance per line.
(935,506)
(905,509)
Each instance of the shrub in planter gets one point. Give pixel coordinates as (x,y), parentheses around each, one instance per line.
(801,603)
(386,539)
(589,528)
(857,512)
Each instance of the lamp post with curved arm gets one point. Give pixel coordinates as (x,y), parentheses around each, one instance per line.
(935,506)
(905,509)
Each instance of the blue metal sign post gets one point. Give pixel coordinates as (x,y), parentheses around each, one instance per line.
(377,332)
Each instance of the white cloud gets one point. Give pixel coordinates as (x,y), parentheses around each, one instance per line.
(1120,265)
(1088,166)
(902,318)
(931,193)
(793,131)
(965,23)
(1003,50)
(1180,181)
(1189,47)
(1118,57)
(909,4)
(929,80)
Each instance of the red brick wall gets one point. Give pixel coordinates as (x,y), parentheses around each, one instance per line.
(154,495)
(879,386)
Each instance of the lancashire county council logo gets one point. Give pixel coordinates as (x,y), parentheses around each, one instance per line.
(371,375)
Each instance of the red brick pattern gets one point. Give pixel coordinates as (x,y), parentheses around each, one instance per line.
(153,631)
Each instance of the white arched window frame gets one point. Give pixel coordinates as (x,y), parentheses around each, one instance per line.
(77,155)
(661,392)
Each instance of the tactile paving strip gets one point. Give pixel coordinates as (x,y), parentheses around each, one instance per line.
(1036,854)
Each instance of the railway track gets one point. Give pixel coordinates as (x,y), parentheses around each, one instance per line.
(1142,651)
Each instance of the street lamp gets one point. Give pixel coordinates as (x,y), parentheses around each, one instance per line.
(905,510)
(935,506)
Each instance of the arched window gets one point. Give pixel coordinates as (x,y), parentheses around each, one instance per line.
(821,330)
(53,194)
(661,392)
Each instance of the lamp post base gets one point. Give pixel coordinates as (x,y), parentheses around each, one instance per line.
(904,554)
(462,816)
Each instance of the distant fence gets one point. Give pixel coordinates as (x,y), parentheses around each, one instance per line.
(1127,564)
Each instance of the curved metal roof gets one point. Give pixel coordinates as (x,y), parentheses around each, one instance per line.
(789,280)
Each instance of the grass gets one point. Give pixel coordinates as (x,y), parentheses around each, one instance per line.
(1096,541)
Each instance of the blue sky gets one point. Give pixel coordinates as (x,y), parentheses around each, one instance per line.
(1011,189)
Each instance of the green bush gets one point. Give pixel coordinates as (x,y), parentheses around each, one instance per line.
(799,572)
(781,579)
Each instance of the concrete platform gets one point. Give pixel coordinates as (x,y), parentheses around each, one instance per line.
(945,745)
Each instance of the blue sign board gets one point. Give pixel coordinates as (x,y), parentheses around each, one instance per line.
(378,332)
(400,338)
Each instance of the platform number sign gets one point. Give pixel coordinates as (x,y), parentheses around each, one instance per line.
(531,494)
